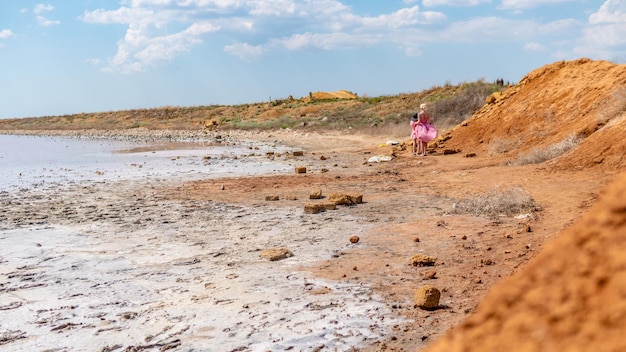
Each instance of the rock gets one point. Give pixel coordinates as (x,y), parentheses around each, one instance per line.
(426,297)
(356,198)
(290,197)
(428,275)
(339,199)
(329,205)
(301,169)
(271,198)
(314,208)
(273,254)
(423,260)
(298,153)
(524,228)
(315,194)
(345,199)
(470,155)
(354,239)
(451,151)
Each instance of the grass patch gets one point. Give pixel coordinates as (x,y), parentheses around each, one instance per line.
(537,156)
(502,146)
(497,202)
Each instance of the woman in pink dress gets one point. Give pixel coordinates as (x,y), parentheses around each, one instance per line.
(423,131)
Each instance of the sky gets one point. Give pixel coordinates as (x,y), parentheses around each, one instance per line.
(68,57)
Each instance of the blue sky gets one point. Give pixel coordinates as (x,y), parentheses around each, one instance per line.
(65,57)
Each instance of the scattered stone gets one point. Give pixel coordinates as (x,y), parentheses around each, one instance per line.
(274,254)
(301,169)
(429,275)
(339,199)
(427,297)
(524,228)
(356,198)
(416,239)
(354,239)
(345,199)
(487,262)
(470,155)
(298,153)
(323,157)
(271,198)
(314,208)
(451,151)
(315,194)
(290,197)
(329,205)
(423,260)
(464,237)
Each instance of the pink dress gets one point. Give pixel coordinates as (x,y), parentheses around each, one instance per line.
(424,131)
(414,129)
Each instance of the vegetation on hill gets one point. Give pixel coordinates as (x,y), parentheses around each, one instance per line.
(449,104)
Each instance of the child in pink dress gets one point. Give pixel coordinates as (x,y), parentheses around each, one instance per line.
(422,131)
(414,123)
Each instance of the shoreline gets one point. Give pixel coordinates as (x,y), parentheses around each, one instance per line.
(180,230)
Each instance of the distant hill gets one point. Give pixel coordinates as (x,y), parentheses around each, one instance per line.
(322,110)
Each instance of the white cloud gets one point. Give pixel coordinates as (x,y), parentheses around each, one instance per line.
(151,36)
(39,8)
(612,11)
(6,33)
(42,20)
(533,46)
(526,4)
(432,3)
(159,30)
(245,51)
(603,37)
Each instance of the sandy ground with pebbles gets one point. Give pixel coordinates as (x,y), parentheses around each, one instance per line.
(174,264)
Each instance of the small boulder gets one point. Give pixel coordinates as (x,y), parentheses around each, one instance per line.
(274,254)
(354,239)
(301,169)
(271,198)
(427,297)
(315,194)
(429,275)
(423,260)
(340,199)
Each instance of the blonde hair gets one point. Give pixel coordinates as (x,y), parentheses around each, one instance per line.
(423,106)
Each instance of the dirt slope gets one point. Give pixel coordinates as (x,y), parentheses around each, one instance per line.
(570,297)
(583,97)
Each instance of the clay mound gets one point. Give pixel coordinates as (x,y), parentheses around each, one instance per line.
(570,297)
(341,94)
(583,98)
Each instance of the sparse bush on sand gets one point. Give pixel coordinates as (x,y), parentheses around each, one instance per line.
(496,202)
(537,156)
(501,146)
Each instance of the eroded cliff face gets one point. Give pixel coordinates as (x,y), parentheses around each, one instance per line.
(582,98)
(572,295)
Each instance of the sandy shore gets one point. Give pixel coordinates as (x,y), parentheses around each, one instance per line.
(104,266)
(174,263)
